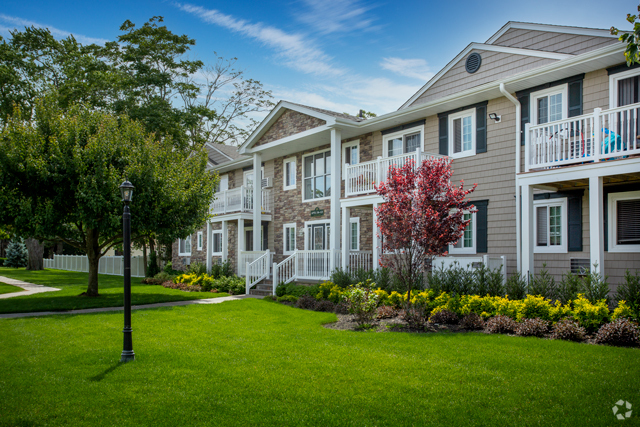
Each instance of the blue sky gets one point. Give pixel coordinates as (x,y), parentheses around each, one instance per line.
(341,55)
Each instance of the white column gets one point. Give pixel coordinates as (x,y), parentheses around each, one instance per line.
(209,243)
(376,240)
(596,228)
(257,200)
(527,230)
(336,179)
(225,240)
(241,244)
(346,237)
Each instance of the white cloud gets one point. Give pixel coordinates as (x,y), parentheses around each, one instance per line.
(298,52)
(414,68)
(19,23)
(331,16)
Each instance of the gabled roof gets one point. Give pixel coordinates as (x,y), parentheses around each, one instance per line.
(582,31)
(220,153)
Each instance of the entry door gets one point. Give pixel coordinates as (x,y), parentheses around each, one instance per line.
(318,237)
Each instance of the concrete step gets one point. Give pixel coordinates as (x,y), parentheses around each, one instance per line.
(260,292)
(263,287)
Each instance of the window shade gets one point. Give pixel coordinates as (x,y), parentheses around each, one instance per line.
(628,222)
(541,226)
(457,135)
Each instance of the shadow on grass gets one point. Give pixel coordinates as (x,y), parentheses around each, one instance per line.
(101,376)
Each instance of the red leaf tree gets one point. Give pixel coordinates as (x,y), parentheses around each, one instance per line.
(421,215)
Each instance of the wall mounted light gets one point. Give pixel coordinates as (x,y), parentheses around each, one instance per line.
(495,117)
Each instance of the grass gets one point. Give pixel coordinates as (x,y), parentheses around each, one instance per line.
(7,289)
(72,284)
(253,362)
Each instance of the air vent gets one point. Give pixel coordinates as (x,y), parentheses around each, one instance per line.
(580,266)
(473,63)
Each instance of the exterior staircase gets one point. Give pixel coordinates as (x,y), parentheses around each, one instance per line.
(263,288)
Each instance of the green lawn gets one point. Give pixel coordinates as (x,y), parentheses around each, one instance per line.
(72,284)
(253,362)
(7,289)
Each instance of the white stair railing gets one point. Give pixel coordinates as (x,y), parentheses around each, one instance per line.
(257,270)
(286,271)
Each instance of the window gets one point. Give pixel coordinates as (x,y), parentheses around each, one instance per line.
(550,233)
(624,88)
(350,155)
(289,173)
(199,240)
(317,235)
(467,243)
(223,184)
(624,222)
(462,133)
(403,142)
(184,246)
(289,238)
(216,242)
(248,239)
(317,176)
(549,105)
(248,177)
(355,234)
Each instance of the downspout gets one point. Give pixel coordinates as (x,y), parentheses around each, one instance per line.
(518,155)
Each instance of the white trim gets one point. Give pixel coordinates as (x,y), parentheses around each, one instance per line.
(291,225)
(326,222)
(226,179)
(580,31)
(354,143)
(355,220)
(213,241)
(184,240)
(284,173)
(613,84)
(208,144)
(199,241)
(533,110)
(250,228)
(461,115)
(302,179)
(612,199)
(467,251)
(557,249)
(249,172)
(402,133)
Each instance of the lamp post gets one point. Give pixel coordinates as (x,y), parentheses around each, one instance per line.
(126,189)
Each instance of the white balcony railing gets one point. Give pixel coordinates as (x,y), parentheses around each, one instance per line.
(360,260)
(239,200)
(306,265)
(361,178)
(601,135)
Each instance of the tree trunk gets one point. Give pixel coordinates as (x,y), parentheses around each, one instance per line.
(144,256)
(36,252)
(93,254)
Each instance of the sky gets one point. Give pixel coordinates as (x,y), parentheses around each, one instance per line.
(340,55)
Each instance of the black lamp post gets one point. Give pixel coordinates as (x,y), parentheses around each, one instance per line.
(126,188)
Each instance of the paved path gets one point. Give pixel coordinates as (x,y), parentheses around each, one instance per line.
(134,307)
(29,288)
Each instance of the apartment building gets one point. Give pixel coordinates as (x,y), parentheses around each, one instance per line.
(543,118)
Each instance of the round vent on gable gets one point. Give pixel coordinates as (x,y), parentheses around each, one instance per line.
(473,63)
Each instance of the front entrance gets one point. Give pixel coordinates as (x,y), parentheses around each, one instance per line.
(316,262)
(318,236)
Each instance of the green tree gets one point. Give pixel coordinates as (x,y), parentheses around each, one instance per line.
(631,53)
(60,173)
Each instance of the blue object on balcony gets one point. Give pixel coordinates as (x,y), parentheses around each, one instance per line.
(610,140)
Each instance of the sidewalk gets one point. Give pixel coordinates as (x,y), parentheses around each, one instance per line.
(29,288)
(134,307)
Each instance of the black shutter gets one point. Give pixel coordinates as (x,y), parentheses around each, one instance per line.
(524,113)
(443,135)
(481,129)
(575,98)
(265,235)
(481,225)
(574,221)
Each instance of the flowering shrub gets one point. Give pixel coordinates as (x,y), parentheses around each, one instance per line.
(472,322)
(534,307)
(623,311)
(532,327)
(397,299)
(622,332)
(182,286)
(362,302)
(559,311)
(500,325)
(568,330)
(590,316)
(231,284)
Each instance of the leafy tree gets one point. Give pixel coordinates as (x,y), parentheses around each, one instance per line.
(421,215)
(16,254)
(59,179)
(631,53)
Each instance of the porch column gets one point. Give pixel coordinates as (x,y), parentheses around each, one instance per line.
(209,250)
(225,240)
(336,180)
(527,230)
(376,241)
(596,227)
(241,245)
(257,200)
(346,237)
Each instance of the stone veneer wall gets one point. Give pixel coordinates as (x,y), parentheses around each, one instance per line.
(290,123)
(179,262)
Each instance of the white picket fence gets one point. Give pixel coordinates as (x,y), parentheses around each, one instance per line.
(112,265)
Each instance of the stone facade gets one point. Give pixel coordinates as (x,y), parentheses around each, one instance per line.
(290,123)
(182,262)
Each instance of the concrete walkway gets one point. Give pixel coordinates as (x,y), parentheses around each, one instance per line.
(134,307)
(29,288)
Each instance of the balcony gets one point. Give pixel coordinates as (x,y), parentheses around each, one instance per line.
(361,178)
(596,137)
(239,200)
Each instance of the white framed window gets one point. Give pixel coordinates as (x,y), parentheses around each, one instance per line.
(350,155)
(317,234)
(467,243)
(550,222)
(462,133)
(289,173)
(223,184)
(216,242)
(317,176)
(624,88)
(248,239)
(248,177)
(199,240)
(184,246)
(403,142)
(624,222)
(550,104)
(354,231)
(289,238)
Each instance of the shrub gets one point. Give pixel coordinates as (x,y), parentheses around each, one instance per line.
(281,289)
(2,260)
(168,268)
(342,308)
(307,303)
(342,278)
(153,281)
(444,316)
(595,287)
(543,284)
(415,317)
(288,299)
(559,311)
(197,268)
(568,288)
(386,312)
(534,307)
(508,307)
(590,316)
(621,332)
(623,311)
(568,330)
(397,299)
(17,255)
(164,276)
(362,302)
(532,327)
(383,297)
(215,271)
(329,291)
(270,298)
(629,291)
(488,282)
(383,279)
(237,285)
(182,286)
(152,267)
(516,287)
(326,306)
(500,325)
(472,322)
